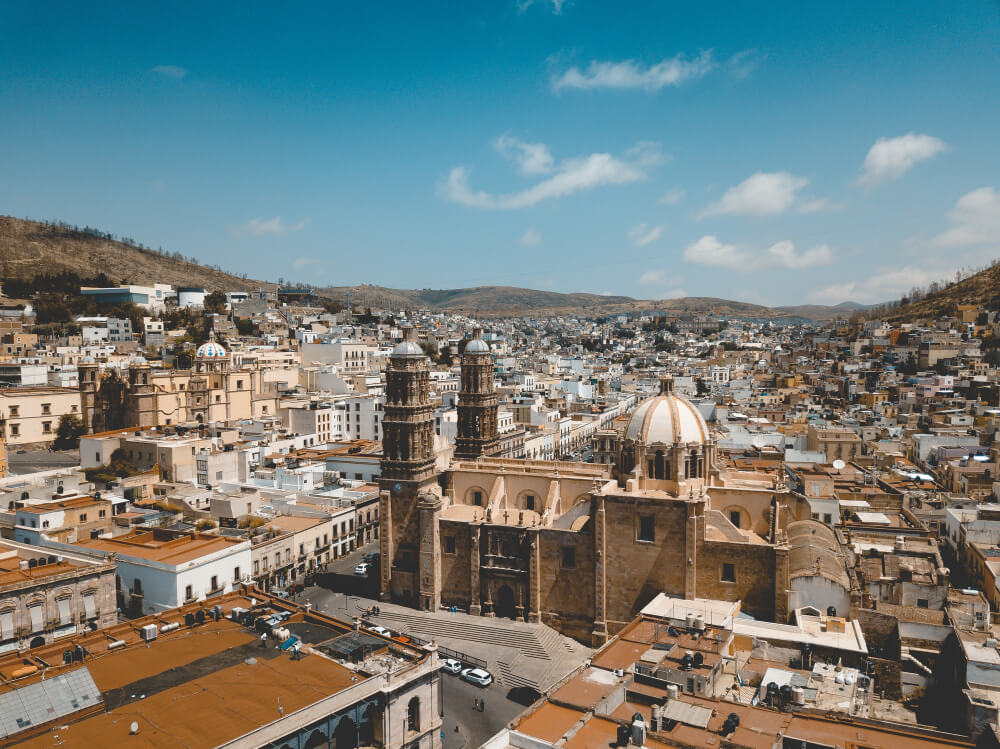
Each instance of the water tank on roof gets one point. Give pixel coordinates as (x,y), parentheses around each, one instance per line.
(149,632)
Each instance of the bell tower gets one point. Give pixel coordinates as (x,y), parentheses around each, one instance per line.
(409,501)
(477,402)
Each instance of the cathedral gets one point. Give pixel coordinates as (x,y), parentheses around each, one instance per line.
(581,547)
(213,390)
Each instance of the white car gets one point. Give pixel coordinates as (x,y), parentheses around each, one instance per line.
(380,631)
(451,665)
(362,569)
(477,676)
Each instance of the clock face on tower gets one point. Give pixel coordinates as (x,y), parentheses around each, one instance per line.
(397,487)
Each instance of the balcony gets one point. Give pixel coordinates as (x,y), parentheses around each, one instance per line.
(499,562)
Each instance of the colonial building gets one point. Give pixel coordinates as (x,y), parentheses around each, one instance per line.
(142,397)
(581,547)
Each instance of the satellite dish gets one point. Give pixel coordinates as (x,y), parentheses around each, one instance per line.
(839,464)
(134,727)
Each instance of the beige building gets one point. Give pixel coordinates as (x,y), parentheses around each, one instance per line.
(47,595)
(212,391)
(30,415)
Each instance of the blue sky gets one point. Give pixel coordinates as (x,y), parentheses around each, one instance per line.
(770,152)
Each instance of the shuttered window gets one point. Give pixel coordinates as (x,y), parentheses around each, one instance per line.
(90,605)
(37,619)
(65,617)
(6,625)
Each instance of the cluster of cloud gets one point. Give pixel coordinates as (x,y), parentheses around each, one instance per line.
(531,238)
(672,197)
(258,227)
(891,158)
(884,284)
(974,220)
(561,179)
(632,74)
(710,251)
(763,194)
(664,285)
(556,5)
(170,71)
(644,234)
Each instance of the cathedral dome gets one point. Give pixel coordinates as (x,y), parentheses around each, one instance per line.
(477,346)
(407,348)
(667,419)
(211,350)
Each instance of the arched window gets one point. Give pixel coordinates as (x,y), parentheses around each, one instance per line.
(413,715)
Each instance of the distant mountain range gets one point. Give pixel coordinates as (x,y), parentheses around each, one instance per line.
(28,248)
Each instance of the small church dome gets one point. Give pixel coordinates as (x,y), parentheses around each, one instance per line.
(211,350)
(407,348)
(477,346)
(667,419)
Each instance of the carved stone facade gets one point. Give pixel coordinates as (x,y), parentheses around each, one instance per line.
(478,432)
(581,547)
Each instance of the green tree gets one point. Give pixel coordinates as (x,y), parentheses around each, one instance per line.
(215,302)
(68,432)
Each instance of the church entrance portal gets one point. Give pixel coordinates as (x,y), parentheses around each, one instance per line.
(505,603)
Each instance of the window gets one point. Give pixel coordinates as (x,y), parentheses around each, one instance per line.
(65,614)
(239,384)
(827,518)
(728,572)
(922,603)
(188,593)
(734,517)
(236,575)
(15,411)
(15,430)
(47,427)
(83,517)
(647,530)
(477,498)
(529,501)
(413,715)
(46,408)
(137,587)
(449,544)
(215,582)
(101,513)
(568,560)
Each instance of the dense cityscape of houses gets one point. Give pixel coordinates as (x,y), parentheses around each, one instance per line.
(771,533)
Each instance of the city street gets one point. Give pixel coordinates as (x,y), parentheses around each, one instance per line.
(30,461)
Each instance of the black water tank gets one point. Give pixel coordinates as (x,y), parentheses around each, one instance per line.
(200,616)
(831,610)
(699,660)
(189,619)
(624,734)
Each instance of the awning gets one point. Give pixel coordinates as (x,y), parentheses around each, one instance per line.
(6,625)
(90,605)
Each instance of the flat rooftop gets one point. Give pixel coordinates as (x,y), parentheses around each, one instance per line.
(197,685)
(164,546)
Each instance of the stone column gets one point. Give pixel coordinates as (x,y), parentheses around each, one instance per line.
(475,593)
(429,507)
(599,635)
(534,583)
(385,542)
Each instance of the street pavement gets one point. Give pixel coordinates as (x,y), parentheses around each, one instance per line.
(31,461)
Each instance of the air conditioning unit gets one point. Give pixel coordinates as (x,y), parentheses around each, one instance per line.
(149,632)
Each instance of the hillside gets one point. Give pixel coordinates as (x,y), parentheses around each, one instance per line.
(981,289)
(28,248)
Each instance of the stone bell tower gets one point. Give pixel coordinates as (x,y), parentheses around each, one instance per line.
(410,501)
(477,403)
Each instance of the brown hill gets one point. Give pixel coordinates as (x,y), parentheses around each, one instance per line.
(981,289)
(28,248)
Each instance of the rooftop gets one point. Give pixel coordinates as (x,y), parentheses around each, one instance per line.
(158,545)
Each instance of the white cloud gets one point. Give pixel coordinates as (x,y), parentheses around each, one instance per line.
(258,227)
(672,197)
(556,5)
(819,205)
(530,238)
(652,277)
(304,262)
(784,254)
(631,74)
(742,64)
(891,158)
(761,194)
(883,286)
(710,251)
(644,234)
(568,177)
(170,71)
(531,158)
(975,219)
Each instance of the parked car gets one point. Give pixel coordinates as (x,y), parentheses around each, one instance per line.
(371,557)
(477,676)
(451,665)
(380,631)
(362,569)
(280,593)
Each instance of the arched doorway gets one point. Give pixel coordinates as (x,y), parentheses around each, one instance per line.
(505,603)
(346,735)
(370,730)
(317,740)
(36,642)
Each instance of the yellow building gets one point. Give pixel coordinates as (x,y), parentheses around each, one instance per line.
(30,415)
